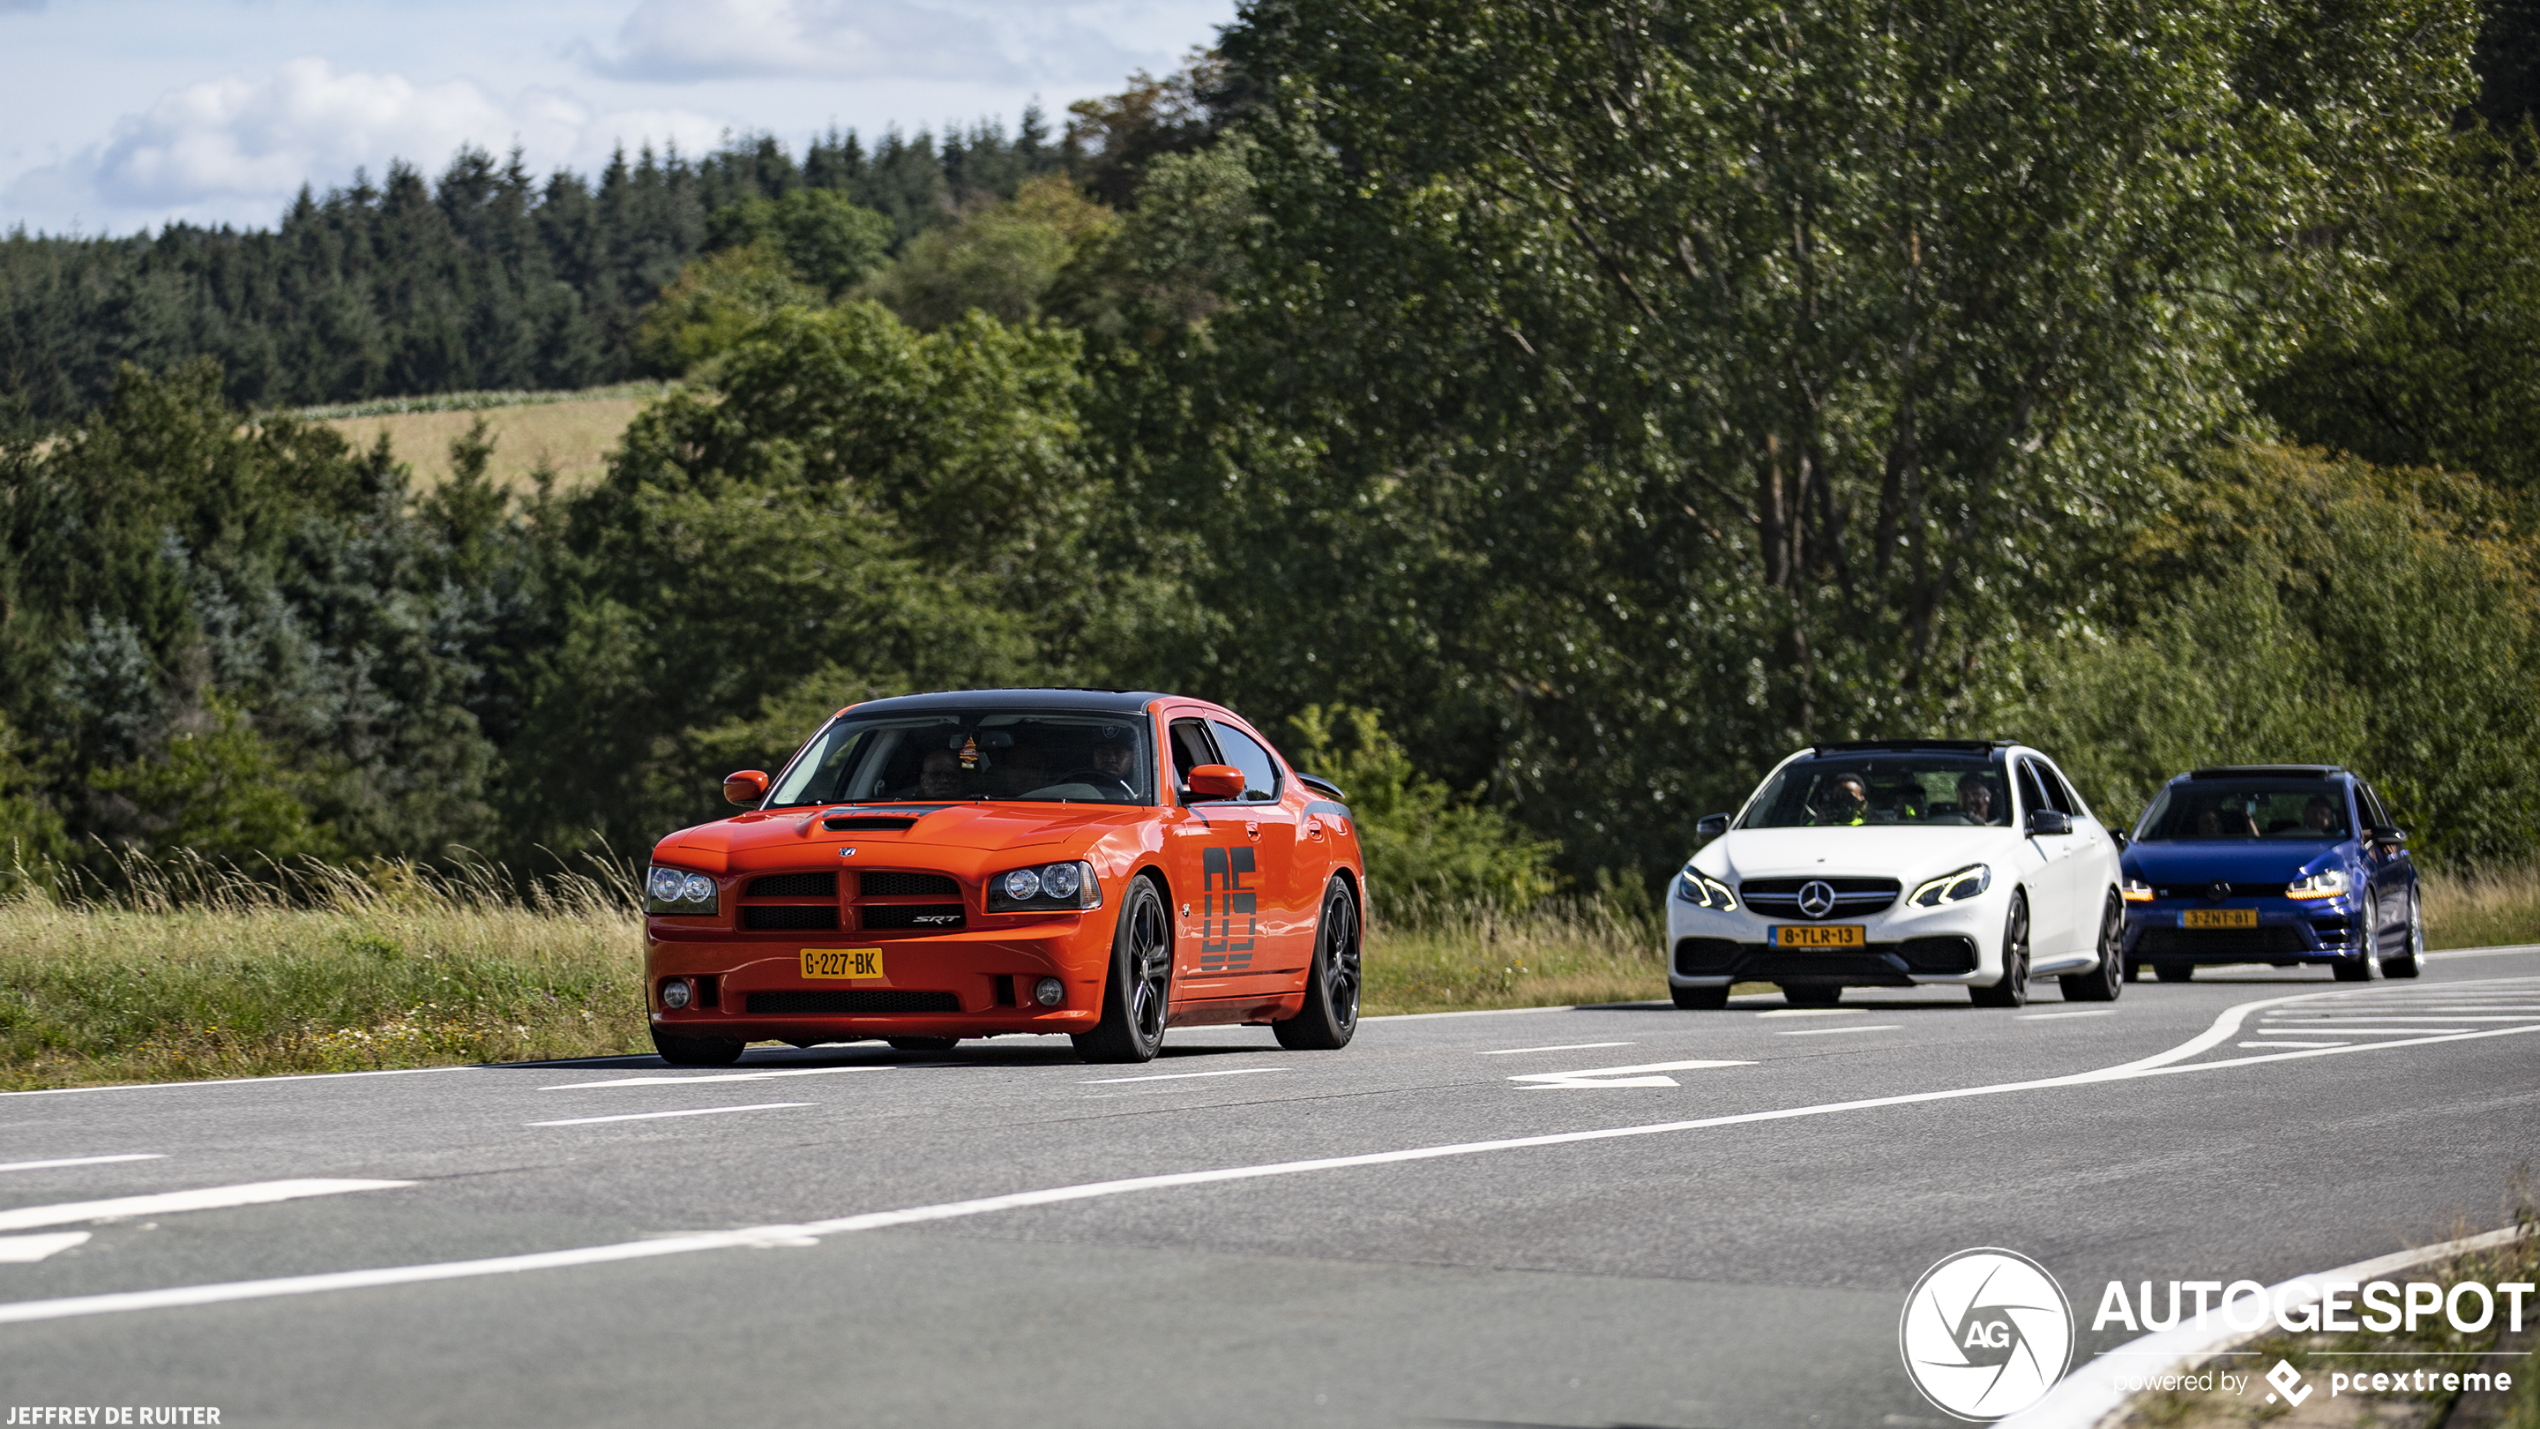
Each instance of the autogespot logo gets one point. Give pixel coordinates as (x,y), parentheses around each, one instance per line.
(1985,1333)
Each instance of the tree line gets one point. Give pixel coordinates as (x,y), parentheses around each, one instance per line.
(1548,416)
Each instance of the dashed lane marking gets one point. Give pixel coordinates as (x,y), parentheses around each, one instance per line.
(1508,1052)
(2264,1045)
(1833,1031)
(2051,1016)
(83,1161)
(1814,1012)
(1179,1076)
(769,1075)
(658,1115)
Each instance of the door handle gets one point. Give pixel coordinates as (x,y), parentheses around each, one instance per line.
(1253,827)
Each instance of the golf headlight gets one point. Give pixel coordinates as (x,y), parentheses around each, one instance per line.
(1044,887)
(1950,888)
(1703,891)
(2137,891)
(678,892)
(2327,883)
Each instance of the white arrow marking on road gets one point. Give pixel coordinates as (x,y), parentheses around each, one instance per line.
(210,1198)
(83,1161)
(1616,1076)
(28,1249)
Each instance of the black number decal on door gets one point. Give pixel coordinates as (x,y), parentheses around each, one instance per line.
(1222,898)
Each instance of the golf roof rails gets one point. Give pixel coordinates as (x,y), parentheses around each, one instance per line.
(1954,746)
(2263,771)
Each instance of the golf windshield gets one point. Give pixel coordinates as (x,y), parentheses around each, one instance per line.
(2228,809)
(1883,787)
(947,756)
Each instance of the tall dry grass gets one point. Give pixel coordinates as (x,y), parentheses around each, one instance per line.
(2487,908)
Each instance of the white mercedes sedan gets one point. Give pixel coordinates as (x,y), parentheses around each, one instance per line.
(1900,863)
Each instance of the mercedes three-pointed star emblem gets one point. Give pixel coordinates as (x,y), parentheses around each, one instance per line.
(1816,898)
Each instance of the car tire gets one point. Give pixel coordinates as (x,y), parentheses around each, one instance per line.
(697,1051)
(2174,972)
(1811,994)
(923,1044)
(1700,999)
(2365,965)
(1137,996)
(1330,1014)
(2104,982)
(2012,990)
(2412,962)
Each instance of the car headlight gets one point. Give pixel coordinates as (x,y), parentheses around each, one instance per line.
(1951,888)
(2137,891)
(2327,883)
(679,892)
(1045,886)
(1703,891)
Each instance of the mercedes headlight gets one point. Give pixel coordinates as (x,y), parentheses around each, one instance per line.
(1047,886)
(678,892)
(1950,888)
(1703,891)
(2327,883)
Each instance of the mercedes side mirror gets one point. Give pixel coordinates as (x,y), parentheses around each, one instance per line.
(1711,826)
(2123,839)
(2046,823)
(1216,781)
(745,788)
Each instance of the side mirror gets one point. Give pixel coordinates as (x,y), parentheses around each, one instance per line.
(2386,835)
(2046,823)
(745,788)
(1216,781)
(1711,826)
(2124,840)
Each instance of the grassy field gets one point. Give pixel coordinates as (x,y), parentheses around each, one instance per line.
(571,432)
(215,977)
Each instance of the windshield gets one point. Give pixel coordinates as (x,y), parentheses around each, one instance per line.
(2206,809)
(948,755)
(1911,787)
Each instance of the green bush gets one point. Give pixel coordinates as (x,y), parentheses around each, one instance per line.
(1426,849)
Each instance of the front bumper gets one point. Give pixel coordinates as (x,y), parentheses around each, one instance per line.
(973,983)
(2287,933)
(1902,947)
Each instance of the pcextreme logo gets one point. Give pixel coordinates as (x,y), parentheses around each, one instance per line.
(1985,1333)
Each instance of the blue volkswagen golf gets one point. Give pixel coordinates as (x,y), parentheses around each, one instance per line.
(2286,864)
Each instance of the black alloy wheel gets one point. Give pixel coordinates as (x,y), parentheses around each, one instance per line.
(2103,983)
(681,1051)
(2175,972)
(1137,995)
(1330,1014)
(2012,990)
(1700,999)
(2411,962)
(1812,994)
(2366,965)
(924,1044)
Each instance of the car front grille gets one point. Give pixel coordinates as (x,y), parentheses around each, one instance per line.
(907,885)
(2270,940)
(929,917)
(800,916)
(1853,897)
(794,885)
(2206,890)
(875,1000)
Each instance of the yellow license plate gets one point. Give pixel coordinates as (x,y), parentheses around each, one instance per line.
(2219,918)
(1821,935)
(842,962)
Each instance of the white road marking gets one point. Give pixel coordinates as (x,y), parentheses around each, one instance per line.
(236,1081)
(28,1249)
(658,1115)
(1179,1076)
(210,1198)
(2049,1016)
(1616,1076)
(2386,1017)
(2161,1064)
(2342,1030)
(2292,1044)
(720,1077)
(1830,1031)
(1500,1052)
(1814,1012)
(83,1161)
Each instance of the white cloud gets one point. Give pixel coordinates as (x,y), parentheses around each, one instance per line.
(235,149)
(988,41)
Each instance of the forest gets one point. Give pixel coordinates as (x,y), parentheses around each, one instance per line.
(1541,417)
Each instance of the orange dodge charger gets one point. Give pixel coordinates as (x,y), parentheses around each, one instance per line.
(934,867)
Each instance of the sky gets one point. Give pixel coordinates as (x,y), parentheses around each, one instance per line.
(118,116)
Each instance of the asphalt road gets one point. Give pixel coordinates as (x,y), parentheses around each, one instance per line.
(1713,1221)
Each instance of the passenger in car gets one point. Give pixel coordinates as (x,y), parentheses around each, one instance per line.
(1851,799)
(2319,818)
(1975,798)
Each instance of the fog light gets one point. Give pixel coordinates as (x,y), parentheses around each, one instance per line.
(674,993)
(1049,992)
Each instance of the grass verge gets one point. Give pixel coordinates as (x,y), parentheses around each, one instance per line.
(2484,909)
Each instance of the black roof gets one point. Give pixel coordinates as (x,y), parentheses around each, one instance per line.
(1946,746)
(1106,701)
(2266,771)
